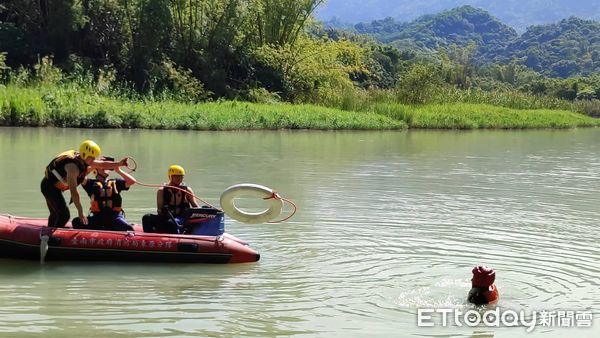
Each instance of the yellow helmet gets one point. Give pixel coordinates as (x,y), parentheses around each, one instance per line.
(175,170)
(89,148)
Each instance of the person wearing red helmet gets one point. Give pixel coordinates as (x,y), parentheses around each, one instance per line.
(483,290)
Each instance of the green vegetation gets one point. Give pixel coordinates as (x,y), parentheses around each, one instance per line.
(479,116)
(76,106)
(460,26)
(570,47)
(248,64)
(73,107)
(516,13)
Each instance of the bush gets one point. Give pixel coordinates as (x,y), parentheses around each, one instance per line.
(261,95)
(3,68)
(20,77)
(105,81)
(419,84)
(589,107)
(176,83)
(46,73)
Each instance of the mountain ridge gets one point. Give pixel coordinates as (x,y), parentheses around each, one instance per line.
(518,14)
(565,48)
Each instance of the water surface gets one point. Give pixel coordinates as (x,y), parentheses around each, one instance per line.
(389,222)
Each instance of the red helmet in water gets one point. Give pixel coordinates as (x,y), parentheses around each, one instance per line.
(483,277)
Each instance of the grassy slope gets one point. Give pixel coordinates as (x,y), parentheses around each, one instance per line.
(66,108)
(39,106)
(478,116)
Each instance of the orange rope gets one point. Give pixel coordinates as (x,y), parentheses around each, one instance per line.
(177,188)
(133,167)
(290,216)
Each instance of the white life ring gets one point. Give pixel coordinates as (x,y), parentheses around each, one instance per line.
(250,190)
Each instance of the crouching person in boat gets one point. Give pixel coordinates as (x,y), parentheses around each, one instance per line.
(66,172)
(172,201)
(106,212)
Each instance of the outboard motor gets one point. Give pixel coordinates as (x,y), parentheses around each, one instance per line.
(205,221)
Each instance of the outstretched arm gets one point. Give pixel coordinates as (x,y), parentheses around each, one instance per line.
(108,165)
(129,180)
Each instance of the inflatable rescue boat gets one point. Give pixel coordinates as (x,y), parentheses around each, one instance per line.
(30,238)
(205,242)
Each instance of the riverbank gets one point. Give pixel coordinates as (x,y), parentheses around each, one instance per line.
(483,116)
(72,107)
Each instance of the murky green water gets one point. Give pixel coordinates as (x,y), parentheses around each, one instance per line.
(389,222)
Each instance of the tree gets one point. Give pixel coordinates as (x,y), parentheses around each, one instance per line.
(310,70)
(280,22)
(49,24)
(210,39)
(419,84)
(459,65)
(151,39)
(106,36)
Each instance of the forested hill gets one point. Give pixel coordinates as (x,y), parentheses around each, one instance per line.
(460,26)
(518,14)
(568,48)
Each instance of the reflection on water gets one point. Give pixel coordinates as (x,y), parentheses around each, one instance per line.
(389,222)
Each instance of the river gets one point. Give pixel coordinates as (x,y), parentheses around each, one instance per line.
(387,223)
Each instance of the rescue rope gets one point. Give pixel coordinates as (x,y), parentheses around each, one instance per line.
(177,188)
(277,196)
(133,166)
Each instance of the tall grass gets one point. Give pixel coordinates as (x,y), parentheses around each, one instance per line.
(509,99)
(477,116)
(80,101)
(67,106)
(364,100)
(452,108)
(589,107)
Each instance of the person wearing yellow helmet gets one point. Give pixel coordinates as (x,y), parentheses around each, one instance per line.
(172,201)
(106,212)
(65,172)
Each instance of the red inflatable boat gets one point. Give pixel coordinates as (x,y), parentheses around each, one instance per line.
(30,238)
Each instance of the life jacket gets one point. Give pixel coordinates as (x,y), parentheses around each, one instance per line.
(105,197)
(483,290)
(175,199)
(55,171)
(483,295)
